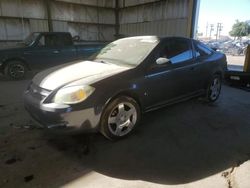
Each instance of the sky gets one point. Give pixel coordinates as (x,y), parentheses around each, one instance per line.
(222,11)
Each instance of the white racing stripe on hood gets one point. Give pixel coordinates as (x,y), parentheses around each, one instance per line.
(84,69)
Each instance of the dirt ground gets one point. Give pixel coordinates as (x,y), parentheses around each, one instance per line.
(192,144)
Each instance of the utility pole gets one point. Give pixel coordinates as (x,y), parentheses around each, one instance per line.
(206,29)
(218,30)
(211,30)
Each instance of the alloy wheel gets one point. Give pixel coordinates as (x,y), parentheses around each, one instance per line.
(215,88)
(122,119)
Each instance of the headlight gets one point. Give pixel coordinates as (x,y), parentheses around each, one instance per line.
(73,94)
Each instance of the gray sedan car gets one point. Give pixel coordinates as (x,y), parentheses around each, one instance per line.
(128,77)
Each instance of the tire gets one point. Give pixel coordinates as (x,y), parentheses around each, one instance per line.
(15,70)
(120,118)
(214,88)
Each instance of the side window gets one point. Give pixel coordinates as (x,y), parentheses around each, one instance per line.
(55,40)
(178,51)
(201,50)
(41,42)
(64,40)
(50,40)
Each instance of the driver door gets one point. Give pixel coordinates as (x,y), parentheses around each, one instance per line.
(170,82)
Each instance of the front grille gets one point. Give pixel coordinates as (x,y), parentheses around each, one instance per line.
(38,92)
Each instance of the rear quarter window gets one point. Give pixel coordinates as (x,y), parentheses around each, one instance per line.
(201,49)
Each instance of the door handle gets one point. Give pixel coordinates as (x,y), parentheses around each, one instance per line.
(27,53)
(56,51)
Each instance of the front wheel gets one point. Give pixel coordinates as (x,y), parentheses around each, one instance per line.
(120,118)
(214,88)
(15,70)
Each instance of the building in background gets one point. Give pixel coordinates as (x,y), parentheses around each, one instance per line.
(96,20)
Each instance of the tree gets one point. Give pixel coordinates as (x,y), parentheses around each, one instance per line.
(240,29)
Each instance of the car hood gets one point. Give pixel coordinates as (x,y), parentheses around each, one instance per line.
(86,71)
(12,47)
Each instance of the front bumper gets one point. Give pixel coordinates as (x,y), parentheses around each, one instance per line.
(61,118)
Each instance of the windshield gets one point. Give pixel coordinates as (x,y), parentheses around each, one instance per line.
(130,51)
(31,39)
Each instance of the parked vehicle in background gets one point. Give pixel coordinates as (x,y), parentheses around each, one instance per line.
(126,78)
(42,50)
(229,47)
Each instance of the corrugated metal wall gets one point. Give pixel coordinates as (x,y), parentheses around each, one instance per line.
(95,19)
(90,19)
(148,17)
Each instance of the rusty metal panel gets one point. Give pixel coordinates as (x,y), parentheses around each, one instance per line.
(127,3)
(60,11)
(92,33)
(164,18)
(157,11)
(85,2)
(3,34)
(16,29)
(131,2)
(147,11)
(106,3)
(91,15)
(129,15)
(106,16)
(171,27)
(60,26)
(38,25)
(100,3)
(33,9)
(78,29)
(0,8)
(86,32)
(23,8)
(107,33)
(8,6)
(80,13)
(175,9)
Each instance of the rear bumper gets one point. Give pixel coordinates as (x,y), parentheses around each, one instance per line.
(62,118)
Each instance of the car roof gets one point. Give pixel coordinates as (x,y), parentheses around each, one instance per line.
(159,37)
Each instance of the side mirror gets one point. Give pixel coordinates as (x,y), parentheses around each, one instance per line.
(163,60)
(76,38)
(215,49)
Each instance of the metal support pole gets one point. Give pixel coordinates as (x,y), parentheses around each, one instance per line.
(117,21)
(50,24)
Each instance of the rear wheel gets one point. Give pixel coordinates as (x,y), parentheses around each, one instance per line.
(15,70)
(120,118)
(214,88)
